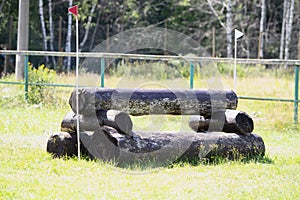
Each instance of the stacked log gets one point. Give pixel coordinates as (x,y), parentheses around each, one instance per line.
(119,120)
(106,128)
(234,122)
(154,102)
(161,149)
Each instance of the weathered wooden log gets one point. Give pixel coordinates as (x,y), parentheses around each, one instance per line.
(161,149)
(62,144)
(234,122)
(119,120)
(146,101)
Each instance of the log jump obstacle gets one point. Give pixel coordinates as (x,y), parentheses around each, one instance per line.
(106,128)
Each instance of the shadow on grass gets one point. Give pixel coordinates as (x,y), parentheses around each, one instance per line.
(151,166)
(143,165)
(218,160)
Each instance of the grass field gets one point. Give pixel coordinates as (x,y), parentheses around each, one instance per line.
(28,172)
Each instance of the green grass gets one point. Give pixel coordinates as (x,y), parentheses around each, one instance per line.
(28,172)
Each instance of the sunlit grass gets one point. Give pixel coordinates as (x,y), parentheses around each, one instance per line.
(28,172)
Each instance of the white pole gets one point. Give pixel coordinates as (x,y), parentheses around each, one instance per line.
(237,35)
(234,70)
(77,92)
(23,33)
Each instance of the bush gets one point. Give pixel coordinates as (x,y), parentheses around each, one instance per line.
(38,93)
(256,70)
(151,70)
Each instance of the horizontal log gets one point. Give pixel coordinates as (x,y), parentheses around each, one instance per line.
(119,120)
(146,101)
(232,121)
(161,149)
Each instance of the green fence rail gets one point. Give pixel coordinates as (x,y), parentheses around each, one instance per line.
(26,82)
(191,75)
(26,77)
(296,99)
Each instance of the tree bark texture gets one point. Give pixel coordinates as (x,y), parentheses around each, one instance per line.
(51,31)
(67,62)
(299,45)
(147,102)
(1,5)
(43,27)
(121,121)
(160,148)
(88,26)
(229,28)
(92,43)
(283,26)
(234,122)
(262,29)
(289,26)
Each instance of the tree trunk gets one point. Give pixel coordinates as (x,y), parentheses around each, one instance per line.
(229,28)
(282,41)
(147,102)
(43,27)
(262,29)
(299,45)
(94,32)
(87,28)
(60,59)
(51,31)
(67,61)
(1,5)
(247,49)
(289,26)
(9,67)
(159,149)
(235,122)
(215,13)
(213,53)
(121,121)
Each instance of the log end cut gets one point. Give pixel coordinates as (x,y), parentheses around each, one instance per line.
(229,121)
(62,144)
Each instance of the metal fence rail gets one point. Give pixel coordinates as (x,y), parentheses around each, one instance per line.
(289,63)
(151,57)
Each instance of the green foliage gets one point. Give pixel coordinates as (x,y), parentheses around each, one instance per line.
(37,92)
(246,71)
(152,70)
(242,70)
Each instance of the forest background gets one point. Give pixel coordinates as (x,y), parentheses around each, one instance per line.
(271,27)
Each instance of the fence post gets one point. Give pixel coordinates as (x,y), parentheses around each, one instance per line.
(191,75)
(26,77)
(296,94)
(102,69)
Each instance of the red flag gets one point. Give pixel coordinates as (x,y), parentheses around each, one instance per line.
(73,10)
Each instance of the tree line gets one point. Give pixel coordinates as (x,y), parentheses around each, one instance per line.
(271,27)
